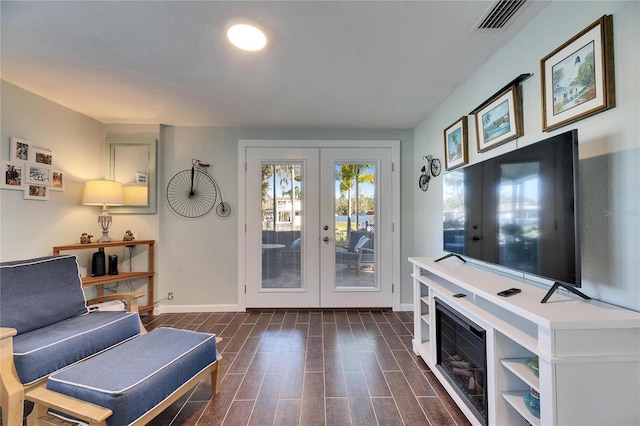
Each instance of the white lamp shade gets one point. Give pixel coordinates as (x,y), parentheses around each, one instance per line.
(136,195)
(103,193)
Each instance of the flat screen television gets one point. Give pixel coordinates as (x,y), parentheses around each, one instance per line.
(519,210)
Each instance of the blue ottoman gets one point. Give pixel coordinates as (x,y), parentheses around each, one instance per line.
(140,378)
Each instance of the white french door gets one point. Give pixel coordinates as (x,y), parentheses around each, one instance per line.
(355,176)
(272,231)
(318,226)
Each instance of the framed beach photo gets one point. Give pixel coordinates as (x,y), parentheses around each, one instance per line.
(13,175)
(500,120)
(578,77)
(20,150)
(58,180)
(455,144)
(36,192)
(39,174)
(42,156)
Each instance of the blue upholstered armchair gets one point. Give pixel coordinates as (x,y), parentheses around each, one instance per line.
(359,251)
(45,325)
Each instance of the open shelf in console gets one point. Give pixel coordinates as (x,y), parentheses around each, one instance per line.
(516,400)
(514,379)
(425,318)
(422,319)
(519,367)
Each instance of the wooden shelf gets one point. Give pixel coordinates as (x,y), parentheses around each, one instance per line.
(68,247)
(122,276)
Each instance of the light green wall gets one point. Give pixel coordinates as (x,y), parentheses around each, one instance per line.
(198,261)
(609,144)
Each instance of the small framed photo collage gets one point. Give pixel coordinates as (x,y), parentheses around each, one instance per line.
(31,169)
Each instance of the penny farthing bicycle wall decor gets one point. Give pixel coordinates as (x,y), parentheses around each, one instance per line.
(193,193)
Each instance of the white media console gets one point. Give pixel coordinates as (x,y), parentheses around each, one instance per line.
(589,351)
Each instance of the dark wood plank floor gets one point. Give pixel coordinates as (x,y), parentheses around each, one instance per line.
(312,367)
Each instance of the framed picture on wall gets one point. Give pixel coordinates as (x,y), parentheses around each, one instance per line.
(13,175)
(58,180)
(20,150)
(42,156)
(500,120)
(455,144)
(39,174)
(36,192)
(578,77)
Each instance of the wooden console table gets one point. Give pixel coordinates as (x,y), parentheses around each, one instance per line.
(99,282)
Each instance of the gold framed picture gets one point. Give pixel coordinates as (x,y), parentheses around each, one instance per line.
(500,120)
(455,144)
(578,77)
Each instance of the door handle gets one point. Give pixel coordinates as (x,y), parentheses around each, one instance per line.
(325,239)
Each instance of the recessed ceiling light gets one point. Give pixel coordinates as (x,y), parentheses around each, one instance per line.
(246,36)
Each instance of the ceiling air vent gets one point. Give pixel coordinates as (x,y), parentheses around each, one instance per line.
(499,14)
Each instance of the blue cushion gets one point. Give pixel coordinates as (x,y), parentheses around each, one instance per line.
(367,257)
(39,292)
(344,256)
(41,352)
(356,236)
(132,378)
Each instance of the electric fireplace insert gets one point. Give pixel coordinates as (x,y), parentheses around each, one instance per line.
(462,357)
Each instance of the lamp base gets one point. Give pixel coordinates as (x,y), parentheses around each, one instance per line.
(104,220)
(105,238)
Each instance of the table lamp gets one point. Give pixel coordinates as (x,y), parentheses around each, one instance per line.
(103,193)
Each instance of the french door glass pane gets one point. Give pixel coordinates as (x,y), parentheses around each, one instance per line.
(281,225)
(355,219)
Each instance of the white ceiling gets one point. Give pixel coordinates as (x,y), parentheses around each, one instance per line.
(344,64)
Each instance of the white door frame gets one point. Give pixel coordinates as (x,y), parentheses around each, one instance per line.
(244,144)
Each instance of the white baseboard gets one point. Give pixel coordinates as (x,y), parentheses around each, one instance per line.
(406,307)
(181,309)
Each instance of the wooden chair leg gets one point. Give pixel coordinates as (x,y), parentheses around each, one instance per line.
(215,376)
(11,389)
(39,411)
(12,411)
